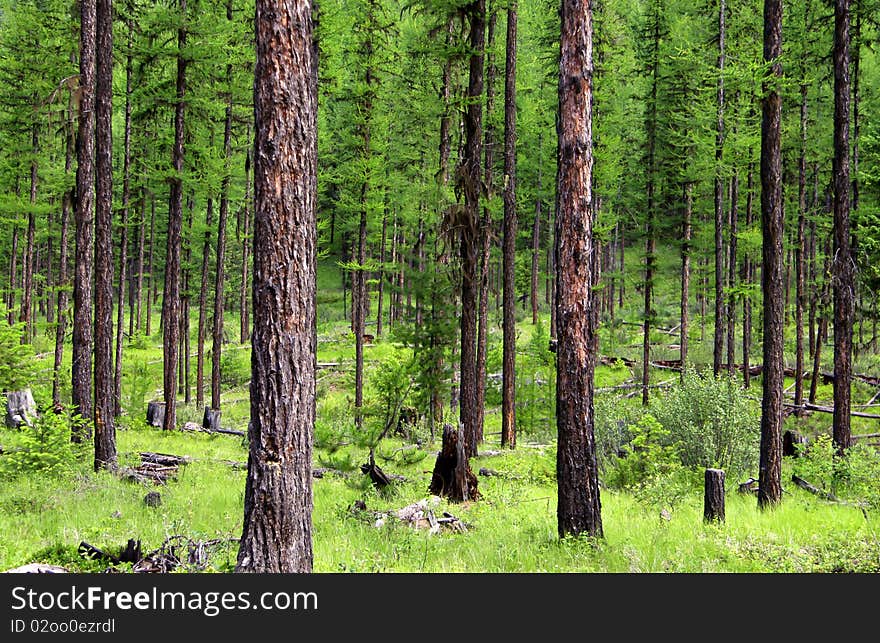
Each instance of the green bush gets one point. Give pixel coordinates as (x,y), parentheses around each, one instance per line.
(17,364)
(712,424)
(235,368)
(852,476)
(44,447)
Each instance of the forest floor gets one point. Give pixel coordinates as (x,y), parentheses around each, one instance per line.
(45,516)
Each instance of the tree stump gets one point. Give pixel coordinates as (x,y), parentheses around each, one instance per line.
(153,499)
(211,421)
(20,408)
(792,443)
(155,414)
(452,477)
(713,498)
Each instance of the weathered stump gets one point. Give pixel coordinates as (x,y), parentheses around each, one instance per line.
(20,408)
(452,477)
(211,421)
(153,499)
(793,443)
(155,414)
(713,498)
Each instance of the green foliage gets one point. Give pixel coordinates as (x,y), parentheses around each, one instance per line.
(852,476)
(712,424)
(44,447)
(137,381)
(235,368)
(17,367)
(536,385)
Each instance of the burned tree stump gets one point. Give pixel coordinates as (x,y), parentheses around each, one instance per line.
(211,421)
(792,443)
(20,408)
(713,499)
(452,477)
(155,414)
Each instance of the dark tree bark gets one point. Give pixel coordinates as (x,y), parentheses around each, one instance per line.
(123,236)
(770,472)
(203,302)
(579,508)
(184,362)
(105,431)
(171,294)
(81,363)
(277,532)
(244,303)
(713,496)
(508,391)
(731,271)
(842,266)
(685,276)
(471,179)
(747,280)
(719,201)
(452,476)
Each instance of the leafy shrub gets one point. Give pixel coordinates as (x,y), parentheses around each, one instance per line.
(235,367)
(712,424)
(17,364)
(137,384)
(44,447)
(851,476)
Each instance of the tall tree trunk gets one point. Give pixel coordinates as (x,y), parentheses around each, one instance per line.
(381,301)
(799,257)
(486,230)
(105,431)
(203,306)
(277,531)
(123,236)
(770,472)
(151,276)
(244,304)
(579,507)
(13,269)
(171,293)
(446,118)
(731,272)
(650,259)
(220,271)
(747,280)
(26,315)
(536,234)
(685,275)
(184,369)
(719,201)
(66,201)
(470,234)
(508,392)
(134,324)
(81,363)
(842,265)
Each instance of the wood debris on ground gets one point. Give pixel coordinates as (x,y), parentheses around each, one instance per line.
(155,468)
(418,515)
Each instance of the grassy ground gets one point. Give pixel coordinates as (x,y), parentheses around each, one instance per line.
(512,528)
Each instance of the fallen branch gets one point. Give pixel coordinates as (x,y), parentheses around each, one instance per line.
(803,484)
(830,409)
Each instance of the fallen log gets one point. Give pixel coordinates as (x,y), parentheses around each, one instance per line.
(830,409)
(164,459)
(803,484)
(865,435)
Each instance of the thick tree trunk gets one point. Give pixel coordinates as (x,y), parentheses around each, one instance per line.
(105,431)
(770,472)
(171,293)
(579,508)
(277,531)
(203,306)
(842,267)
(713,497)
(719,201)
(470,234)
(508,375)
(81,363)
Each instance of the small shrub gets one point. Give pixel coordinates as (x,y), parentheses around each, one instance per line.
(852,476)
(235,367)
(44,447)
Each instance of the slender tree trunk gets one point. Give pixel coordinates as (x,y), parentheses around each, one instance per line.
(184,365)
(719,201)
(81,364)
(650,259)
(203,306)
(171,293)
(446,118)
(842,265)
(105,431)
(135,325)
(799,259)
(243,296)
(277,531)
(747,280)
(508,392)
(579,507)
(685,275)
(220,270)
(151,276)
(770,472)
(486,230)
(381,301)
(123,236)
(13,269)
(26,315)
(61,327)
(536,236)
(476,12)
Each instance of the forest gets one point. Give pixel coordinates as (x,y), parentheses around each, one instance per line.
(440,286)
